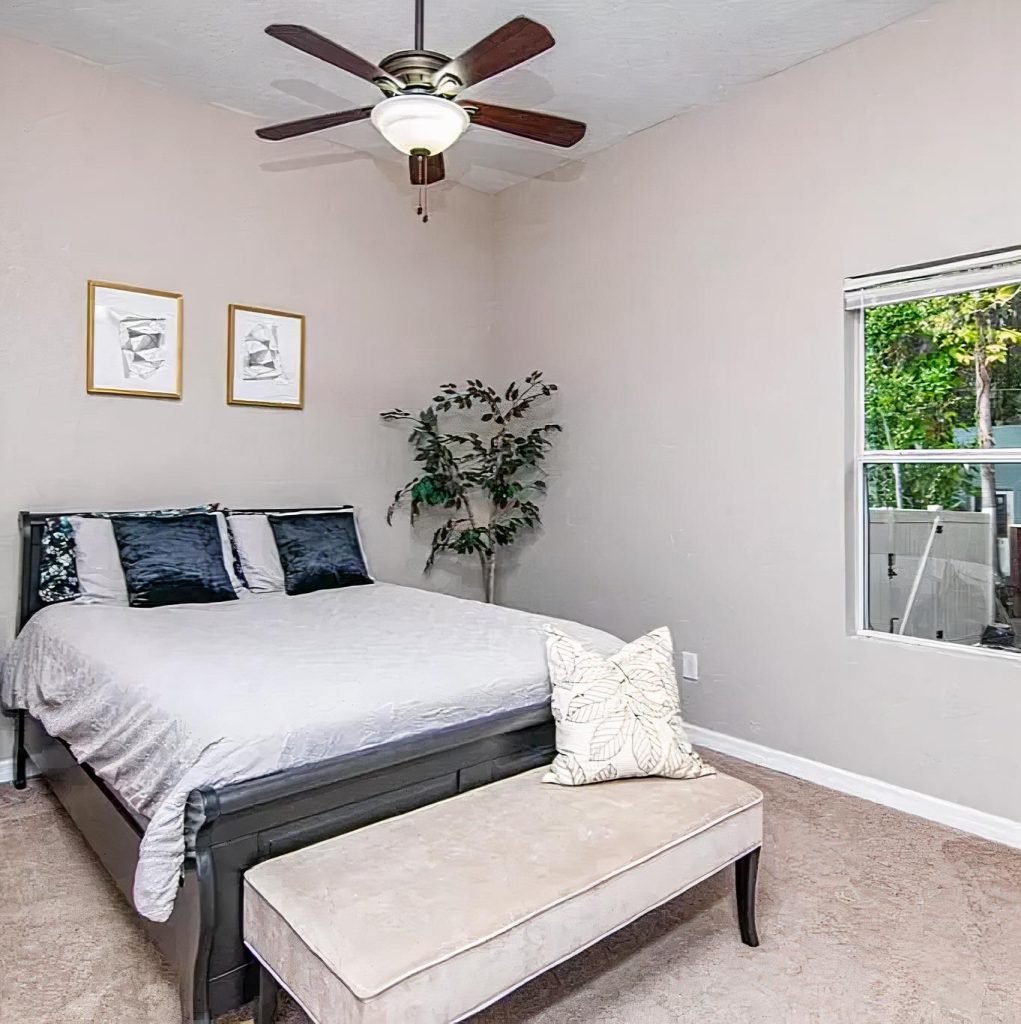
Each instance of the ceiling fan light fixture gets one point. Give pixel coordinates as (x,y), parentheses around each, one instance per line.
(420,122)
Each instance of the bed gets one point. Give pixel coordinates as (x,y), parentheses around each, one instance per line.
(190,742)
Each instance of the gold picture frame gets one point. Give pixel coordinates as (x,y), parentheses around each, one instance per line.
(122,358)
(270,371)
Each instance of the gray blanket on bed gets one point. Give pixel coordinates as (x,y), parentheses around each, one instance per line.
(161,701)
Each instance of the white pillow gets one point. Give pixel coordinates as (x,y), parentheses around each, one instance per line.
(257,547)
(617,717)
(98,560)
(100,576)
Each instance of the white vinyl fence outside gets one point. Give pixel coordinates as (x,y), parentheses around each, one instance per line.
(929,573)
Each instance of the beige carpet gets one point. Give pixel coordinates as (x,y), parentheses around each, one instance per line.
(866,916)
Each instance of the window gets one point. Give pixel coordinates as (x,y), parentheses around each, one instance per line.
(938,451)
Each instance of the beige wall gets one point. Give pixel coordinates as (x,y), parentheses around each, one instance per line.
(684,288)
(686,291)
(102,176)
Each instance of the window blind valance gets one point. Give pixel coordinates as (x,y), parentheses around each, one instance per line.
(971,273)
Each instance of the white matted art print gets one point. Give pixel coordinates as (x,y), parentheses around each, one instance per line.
(265,357)
(135,340)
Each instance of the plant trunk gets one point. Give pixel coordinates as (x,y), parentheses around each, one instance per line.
(489,576)
(984,421)
(898,483)
(898,479)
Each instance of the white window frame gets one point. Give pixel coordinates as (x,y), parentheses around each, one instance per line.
(945,277)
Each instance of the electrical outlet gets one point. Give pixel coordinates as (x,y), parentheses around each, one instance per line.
(689,665)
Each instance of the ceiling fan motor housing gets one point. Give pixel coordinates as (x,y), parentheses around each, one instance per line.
(415,68)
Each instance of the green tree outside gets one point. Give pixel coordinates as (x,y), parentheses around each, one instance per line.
(940,373)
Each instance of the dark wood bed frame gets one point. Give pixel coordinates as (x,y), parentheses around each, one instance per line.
(246,822)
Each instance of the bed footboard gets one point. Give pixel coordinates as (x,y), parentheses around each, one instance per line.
(251,821)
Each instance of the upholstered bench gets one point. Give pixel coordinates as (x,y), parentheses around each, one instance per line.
(428,917)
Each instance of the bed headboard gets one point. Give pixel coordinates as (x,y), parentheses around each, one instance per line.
(31,525)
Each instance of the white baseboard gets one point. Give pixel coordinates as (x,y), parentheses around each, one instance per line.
(967,819)
(7,769)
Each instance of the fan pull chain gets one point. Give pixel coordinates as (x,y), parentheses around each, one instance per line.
(423,178)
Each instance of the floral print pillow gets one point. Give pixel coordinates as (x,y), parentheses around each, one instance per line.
(617,717)
(58,572)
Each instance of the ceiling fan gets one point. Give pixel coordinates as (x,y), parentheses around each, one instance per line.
(421,113)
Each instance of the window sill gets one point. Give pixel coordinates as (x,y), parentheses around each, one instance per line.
(937,645)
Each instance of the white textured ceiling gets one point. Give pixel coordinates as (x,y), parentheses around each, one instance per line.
(619,65)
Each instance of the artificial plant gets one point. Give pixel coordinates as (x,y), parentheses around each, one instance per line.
(490,479)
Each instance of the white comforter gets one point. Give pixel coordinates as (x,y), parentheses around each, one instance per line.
(161,701)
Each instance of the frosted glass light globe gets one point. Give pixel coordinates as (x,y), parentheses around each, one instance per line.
(418,122)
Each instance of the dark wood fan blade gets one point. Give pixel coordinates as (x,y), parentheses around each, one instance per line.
(426,170)
(514,43)
(325,49)
(528,124)
(289,129)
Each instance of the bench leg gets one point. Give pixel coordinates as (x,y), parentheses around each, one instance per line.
(269,994)
(746,871)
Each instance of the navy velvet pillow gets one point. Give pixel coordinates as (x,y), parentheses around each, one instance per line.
(172,561)
(319,551)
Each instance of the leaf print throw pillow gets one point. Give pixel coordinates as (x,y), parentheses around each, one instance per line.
(617,717)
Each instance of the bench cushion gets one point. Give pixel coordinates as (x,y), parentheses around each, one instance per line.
(427,917)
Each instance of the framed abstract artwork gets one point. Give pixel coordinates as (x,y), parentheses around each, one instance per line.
(265,357)
(135,341)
